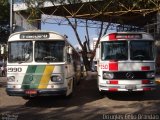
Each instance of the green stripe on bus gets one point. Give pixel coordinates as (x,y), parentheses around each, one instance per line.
(37,77)
(28,76)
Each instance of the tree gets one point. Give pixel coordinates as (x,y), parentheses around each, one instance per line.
(33,8)
(4,21)
(86,45)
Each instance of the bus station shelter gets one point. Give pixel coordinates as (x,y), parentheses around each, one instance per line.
(127,12)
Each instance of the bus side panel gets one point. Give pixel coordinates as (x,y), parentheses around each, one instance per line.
(69,76)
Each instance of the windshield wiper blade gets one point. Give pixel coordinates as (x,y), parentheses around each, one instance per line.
(21,62)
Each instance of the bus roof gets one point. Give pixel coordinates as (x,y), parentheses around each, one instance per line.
(36,35)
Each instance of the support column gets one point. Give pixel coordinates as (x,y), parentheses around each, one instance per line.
(158,23)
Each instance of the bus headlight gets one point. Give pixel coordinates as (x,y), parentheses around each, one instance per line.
(57,78)
(11,79)
(150,75)
(108,75)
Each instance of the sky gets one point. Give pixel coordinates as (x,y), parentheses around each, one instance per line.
(67,30)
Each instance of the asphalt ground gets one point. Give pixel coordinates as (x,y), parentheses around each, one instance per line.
(85,104)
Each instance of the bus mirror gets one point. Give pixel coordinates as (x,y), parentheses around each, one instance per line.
(70,50)
(97,53)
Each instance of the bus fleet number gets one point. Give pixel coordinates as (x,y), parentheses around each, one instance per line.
(15,69)
(103,66)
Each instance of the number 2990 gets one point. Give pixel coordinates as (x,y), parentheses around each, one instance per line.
(14,69)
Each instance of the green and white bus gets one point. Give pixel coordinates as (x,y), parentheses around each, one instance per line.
(41,63)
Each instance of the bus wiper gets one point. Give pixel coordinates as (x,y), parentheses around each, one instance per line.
(49,59)
(114,60)
(139,57)
(21,62)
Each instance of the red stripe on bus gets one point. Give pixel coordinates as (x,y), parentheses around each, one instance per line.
(147,89)
(145,81)
(112,36)
(113,89)
(145,68)
(113,66)
(113,82)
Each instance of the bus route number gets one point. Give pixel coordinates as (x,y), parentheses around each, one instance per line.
(103,66)
(14,69)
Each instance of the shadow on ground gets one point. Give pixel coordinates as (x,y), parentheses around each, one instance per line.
(134,96)
(86,104)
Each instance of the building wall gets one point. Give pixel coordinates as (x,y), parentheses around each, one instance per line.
(21,23)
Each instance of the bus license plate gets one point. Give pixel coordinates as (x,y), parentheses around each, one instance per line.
(31,92)
(130,87)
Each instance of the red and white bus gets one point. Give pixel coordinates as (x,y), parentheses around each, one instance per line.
(126,62)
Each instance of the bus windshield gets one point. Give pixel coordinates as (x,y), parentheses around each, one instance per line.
(141,50)
(20,51)
(49,51)
(118,50)
(115,50)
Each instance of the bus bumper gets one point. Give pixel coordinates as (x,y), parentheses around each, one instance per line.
(127,87)
(39,92)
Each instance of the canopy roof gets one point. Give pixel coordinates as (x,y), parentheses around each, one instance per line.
(128,12)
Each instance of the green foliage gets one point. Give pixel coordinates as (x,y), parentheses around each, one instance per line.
(4,20)
(4,10)
(3,2)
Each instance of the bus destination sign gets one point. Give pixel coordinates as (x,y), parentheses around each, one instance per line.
(129,36)
(34,35)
